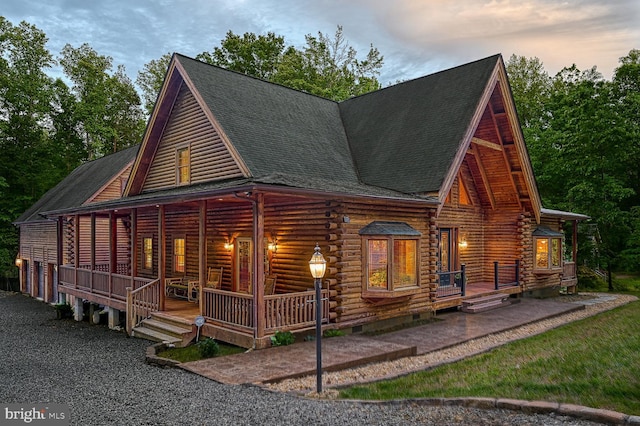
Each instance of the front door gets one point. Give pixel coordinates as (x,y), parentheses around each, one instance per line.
(447,255)
(244,264)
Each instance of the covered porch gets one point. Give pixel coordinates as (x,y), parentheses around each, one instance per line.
(125,257)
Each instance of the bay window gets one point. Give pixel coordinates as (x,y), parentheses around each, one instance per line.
(548,249)
(390,259)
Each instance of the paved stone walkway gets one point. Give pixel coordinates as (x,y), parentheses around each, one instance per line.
(452,328)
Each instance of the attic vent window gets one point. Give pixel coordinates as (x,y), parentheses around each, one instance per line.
(391,260)
(183,165)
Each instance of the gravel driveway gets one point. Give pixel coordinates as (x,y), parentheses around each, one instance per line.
(102,376)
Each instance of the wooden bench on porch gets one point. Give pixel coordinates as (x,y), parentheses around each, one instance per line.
(177,287)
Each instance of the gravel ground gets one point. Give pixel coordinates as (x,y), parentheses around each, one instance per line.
(102,376)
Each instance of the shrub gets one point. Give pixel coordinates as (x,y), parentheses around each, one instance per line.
(63,310)
(588,280)
(282,338)
(333,333)
(208,348)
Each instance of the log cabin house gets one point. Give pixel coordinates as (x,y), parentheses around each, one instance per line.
(420,195)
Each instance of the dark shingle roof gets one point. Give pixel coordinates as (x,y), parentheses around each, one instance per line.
(80,184)
(275,129)
(405,137)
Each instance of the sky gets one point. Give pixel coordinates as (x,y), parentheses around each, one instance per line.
(416,37)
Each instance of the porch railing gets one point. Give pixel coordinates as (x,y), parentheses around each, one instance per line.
(506,275)
(99,282)
(294,310)
(141,302)
(286,311)
(452,283)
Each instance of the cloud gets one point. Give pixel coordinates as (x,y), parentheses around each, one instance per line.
(416,37)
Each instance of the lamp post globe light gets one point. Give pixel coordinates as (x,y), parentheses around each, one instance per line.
(318,266)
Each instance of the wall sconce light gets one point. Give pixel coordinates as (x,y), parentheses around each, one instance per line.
(273,246)
(228,245)
(18,262)
(463,244)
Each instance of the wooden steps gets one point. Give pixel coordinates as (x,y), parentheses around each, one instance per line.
(165,328)
(486,303)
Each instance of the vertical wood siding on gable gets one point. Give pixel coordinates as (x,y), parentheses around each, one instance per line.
(210,158)
(114,189)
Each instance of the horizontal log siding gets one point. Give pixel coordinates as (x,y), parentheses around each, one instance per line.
(147,226)
(224,224)
(38,244)
(347,250)
(210,159)
(298,227)
(491,235)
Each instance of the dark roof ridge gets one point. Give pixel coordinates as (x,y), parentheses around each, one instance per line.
(254,77)
(412,80)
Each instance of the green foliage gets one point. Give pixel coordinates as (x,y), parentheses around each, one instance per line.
(582,134)
(208,348)
(63,310)
(326,66)
(48,129)
(333,332)
(589,280)
(282,338)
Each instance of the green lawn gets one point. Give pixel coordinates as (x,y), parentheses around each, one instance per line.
(594,362)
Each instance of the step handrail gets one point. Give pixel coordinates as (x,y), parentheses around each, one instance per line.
(141,302)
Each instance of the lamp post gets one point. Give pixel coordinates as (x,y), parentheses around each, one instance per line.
(318,266)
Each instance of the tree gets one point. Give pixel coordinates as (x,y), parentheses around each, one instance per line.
(25,98)
(251,54)
(150,80)
(108,106)
(329,68)
(326,66)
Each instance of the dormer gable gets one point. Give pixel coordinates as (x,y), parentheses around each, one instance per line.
(183,144)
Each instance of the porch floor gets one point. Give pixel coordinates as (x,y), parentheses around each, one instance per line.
(278,363)
(181,309)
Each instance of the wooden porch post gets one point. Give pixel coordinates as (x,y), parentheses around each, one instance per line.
(162,247)
(113,248)
(202,247)
(93,249)
(76,248)
(258,266)
(575,243)
(134,246)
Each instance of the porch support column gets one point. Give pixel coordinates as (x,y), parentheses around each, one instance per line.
(93,249)
(76,248)
(59,241)
(202,248)
(78,308)
(258,262)
(113,248)
(574,245)
(162,253)
(114,317)
(134,246)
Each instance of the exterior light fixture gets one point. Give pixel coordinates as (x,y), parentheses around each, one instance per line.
(463,244)
(273,246)
(18,262)
(228,245)
(318,267)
